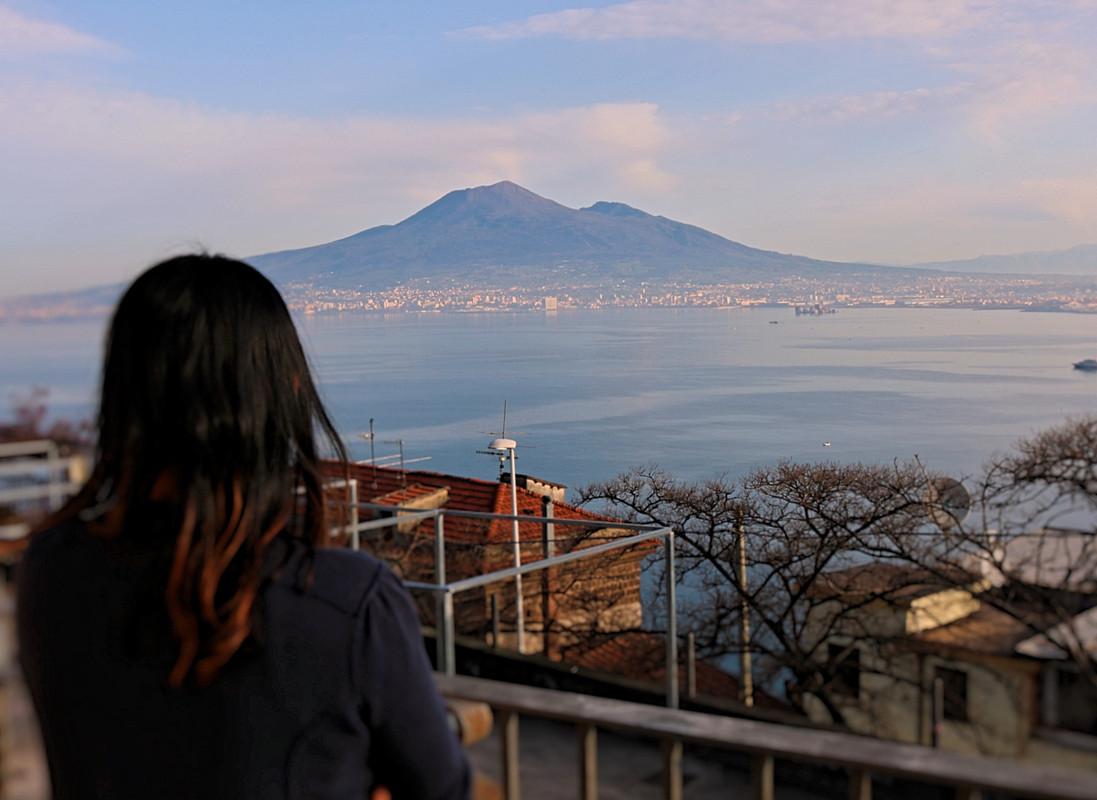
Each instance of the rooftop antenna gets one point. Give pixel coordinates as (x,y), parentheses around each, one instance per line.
(504,448)
(404,461)
(947,502)
(501,436)
(372,458)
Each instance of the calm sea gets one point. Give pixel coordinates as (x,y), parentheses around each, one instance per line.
(699,391)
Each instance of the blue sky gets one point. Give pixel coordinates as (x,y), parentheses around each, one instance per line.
(890,131)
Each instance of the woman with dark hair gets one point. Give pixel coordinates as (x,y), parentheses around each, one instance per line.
(183,631)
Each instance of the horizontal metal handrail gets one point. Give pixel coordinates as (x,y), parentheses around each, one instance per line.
(44,491)
(34,447)
(445,591)
(503,574)
(449,512)
(39,472)
(763,741)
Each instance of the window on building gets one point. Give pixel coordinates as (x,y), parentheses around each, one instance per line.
(1074,699)
(954,692)
(846,663)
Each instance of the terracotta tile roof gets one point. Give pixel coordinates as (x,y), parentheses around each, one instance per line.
(641,656)
(898,584)
(408,494)
(988,631)
(383,485)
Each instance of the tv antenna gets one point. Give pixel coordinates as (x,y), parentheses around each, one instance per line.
(387,461)
(947,502)
(501,445)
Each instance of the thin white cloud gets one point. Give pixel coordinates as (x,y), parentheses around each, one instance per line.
(873,105)
(20,36)
(1023,80)
(1073,199)
(112,165)
(766,21)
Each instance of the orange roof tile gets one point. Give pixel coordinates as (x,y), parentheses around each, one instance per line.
(641,655)
(383,485)
(988,631)
(898,584)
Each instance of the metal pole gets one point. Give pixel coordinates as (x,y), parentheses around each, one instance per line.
(495,621)
(519,617)
(691,665)
(446,646)
(548,582)
(355,537)
(440,598)
(53,461)
(938,711)
(672,627)
(746,679)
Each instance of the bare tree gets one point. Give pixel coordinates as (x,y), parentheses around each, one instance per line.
(1035,539)
(802,551)
(29,414)
(764,545)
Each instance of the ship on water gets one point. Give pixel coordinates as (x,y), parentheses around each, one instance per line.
(1087,364)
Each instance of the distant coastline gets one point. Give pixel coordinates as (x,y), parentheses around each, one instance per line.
(1060,294)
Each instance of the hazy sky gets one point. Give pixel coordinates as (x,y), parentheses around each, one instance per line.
(891,131)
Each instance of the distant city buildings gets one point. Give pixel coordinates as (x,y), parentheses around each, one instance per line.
(804,295)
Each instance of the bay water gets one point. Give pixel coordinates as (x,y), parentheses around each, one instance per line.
(699,391)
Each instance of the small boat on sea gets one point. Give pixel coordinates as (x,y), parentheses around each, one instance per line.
(1087,364)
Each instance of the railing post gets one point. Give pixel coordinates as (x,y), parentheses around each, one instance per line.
(672,626)
(53,460)
(672,769)
(442,616)
(588,761)
(355,538)
(860,784)
(761,776)
(512,783)
(446,646)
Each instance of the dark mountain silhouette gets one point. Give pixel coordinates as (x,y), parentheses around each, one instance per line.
(505,232)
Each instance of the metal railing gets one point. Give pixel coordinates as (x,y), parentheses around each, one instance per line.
(445,592)
(40,472)
(35,479)
(764,742)
(673,729)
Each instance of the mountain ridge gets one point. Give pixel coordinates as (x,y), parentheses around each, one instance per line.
(506,235)
(488,230)
(1078,260)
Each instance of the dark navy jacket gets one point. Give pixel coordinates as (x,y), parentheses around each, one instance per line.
(332,697)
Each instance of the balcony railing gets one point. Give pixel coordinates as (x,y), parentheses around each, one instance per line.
(37,472)
(445,592)
(673,729)
(765,743)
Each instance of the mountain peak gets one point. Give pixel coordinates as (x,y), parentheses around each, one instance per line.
(505,229)
(499,199)
(615,210)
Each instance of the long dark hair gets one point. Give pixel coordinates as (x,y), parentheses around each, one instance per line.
(208,406)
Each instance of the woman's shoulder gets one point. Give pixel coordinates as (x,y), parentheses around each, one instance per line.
(344,579)
(53,542)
